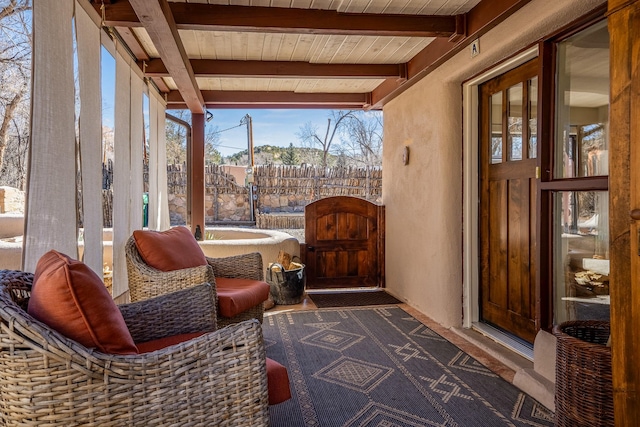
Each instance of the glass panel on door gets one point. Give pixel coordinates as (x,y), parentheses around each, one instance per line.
(496,128)
(533,118)
(514,129)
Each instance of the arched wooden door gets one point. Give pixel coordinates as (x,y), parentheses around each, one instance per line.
(344,243)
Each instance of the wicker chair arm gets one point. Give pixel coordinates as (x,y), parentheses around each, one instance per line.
(185,311)
(147,282)
(245,266)
(188,383)
(16,286)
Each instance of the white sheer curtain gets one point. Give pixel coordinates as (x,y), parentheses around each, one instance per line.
(158,193)
(153,160)
(51,214)
(90,125)
(137,151)
(128,167)
(164,222)
(122,167)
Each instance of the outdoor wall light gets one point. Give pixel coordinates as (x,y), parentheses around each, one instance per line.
(405,155)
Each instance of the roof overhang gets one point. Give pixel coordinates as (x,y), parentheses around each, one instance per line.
(227,56)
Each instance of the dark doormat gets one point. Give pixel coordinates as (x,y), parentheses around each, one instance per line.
(352,299)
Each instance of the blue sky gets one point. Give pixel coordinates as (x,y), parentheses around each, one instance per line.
(270,126)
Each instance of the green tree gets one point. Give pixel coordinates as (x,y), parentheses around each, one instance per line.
(211,153)
(177,141)
(289,157)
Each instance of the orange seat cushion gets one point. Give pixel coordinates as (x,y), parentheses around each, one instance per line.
(149,346)
(277,382)
(70,298)
(277,375)
(238,295)
(169,250)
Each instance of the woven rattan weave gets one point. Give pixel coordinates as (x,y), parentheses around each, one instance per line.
(147,282)
(46,379)
(584,385)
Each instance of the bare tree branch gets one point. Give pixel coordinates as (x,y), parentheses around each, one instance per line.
(14,8)
(15,58)
(361,140)
(6,120)
(309,134)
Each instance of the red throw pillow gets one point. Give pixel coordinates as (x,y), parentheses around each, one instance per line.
(69,297)
(169,250)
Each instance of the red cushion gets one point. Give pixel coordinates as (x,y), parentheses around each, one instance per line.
(70,298)
(169,250)
(277,375)
(238,295)
(277,382)
(149,346)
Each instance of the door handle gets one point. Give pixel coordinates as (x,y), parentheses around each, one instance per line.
(311,249)
(635,215)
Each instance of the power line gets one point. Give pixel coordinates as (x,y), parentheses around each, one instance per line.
(227,146)
(224,130)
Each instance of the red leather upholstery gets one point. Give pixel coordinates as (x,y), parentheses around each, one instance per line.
(238,295)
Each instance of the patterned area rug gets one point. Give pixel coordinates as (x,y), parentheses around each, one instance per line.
(381,367)
(352,299)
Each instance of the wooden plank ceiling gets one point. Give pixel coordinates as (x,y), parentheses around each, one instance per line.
(343,54)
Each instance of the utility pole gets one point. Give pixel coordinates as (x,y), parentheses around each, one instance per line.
(250,180)
(249,122)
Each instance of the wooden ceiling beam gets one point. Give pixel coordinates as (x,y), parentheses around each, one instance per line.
(479,20)
(131,40)
(275,106)
(161,85)
(213,17)
(158,20)
(275,69)
(268,99)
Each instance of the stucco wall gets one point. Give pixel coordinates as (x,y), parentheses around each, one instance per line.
(424,200)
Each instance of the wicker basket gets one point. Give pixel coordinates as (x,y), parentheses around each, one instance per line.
(584,386)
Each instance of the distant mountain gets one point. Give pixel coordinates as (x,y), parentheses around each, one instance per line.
(269,154)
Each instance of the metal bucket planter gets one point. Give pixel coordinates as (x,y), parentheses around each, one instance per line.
(287,286)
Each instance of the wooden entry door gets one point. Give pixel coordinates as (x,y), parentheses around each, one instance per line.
(344,239)
(508,126)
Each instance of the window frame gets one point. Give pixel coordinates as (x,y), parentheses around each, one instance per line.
(549,184)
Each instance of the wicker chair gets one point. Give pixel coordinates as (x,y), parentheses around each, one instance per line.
(147,282)
(47,379)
